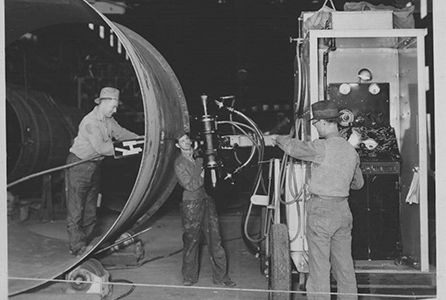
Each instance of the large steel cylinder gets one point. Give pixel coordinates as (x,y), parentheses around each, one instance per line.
(165,113)
(39,132)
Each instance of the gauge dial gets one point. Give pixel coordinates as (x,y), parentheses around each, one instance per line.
(374,89)
(345,88)
(346,118)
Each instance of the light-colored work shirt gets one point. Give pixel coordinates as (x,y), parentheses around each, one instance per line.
(335,167)
(95,136)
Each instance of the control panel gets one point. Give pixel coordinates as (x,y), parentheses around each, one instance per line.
(380,167)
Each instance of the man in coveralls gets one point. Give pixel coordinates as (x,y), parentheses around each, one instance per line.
(95,139)
(199,216)
(334,171)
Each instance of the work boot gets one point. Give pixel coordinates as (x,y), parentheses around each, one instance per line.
(227,282)
(188,282)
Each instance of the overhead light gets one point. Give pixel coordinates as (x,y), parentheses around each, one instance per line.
(30,37)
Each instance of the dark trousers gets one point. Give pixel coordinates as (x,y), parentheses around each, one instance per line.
(200,216)
(82,188)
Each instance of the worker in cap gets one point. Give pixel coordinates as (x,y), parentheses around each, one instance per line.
(334,171)
(325,110)
(198,216)
(180,134)
(96,133)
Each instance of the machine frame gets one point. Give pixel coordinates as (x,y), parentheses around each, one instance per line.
(407,77)
(397,116)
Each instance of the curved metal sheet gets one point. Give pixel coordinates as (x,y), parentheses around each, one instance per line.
(34,122)
(165,112)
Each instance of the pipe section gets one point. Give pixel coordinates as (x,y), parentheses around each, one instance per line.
(165,113)
(39,133)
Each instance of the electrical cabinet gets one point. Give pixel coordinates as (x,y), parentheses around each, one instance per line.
(376,213)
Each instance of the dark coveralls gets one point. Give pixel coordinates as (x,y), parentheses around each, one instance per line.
(199,216)
(82,181)
(334,170)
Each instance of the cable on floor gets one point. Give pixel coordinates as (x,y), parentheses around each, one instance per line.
(158,257)
(132,288)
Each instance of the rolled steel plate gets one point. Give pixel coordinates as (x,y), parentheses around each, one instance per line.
(35,259)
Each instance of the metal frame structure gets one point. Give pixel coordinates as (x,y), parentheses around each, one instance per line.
(397,115)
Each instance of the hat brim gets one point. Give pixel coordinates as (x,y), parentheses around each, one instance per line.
(97,100)
(180,135)
(325,118)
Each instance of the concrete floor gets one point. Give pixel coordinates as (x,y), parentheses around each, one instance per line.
(165,238)
(159,273)
(163,276)
(159,276)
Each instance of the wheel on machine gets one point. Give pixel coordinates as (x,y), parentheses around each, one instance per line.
(279,262)
(302,281)
(89,278)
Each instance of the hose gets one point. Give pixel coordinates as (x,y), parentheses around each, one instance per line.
(123,240)
(261,149)
(51,170)
(253,148)
(126,293)
(246,222)
(300,93)
(258,133)
(285,160)
(159,257)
